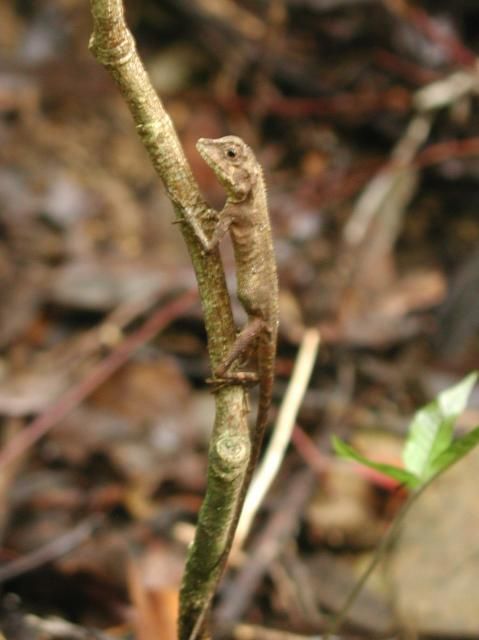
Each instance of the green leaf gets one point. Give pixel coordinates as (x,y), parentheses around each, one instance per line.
(401,475)
(428,433)
(458,449)
(431,430)
(453,401)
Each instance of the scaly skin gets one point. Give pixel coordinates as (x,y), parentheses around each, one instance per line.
(245,216)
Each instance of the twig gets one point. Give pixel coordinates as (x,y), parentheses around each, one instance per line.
(50,551)
(447,150)
(98,374)
(456,51)
(114,47)
(385,544)
(267,548)
(329,5)
(359,104)
(308,449)
(11,427)
(281,435)
(377,195)
(33,393)
(255,632)
(446,91)
(57,629)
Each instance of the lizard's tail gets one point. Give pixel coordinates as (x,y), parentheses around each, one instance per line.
(266,359)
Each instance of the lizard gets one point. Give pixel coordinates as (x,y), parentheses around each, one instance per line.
(245,215)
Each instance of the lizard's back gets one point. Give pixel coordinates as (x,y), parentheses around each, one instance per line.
(254,254)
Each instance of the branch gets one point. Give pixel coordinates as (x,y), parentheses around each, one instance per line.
(96,376)
(281,435)
(113,45)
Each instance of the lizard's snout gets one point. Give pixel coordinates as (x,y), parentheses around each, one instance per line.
(203,142)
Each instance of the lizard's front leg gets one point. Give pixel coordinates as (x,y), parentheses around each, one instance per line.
(222,224)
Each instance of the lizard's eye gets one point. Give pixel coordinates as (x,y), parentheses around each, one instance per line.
(231,153)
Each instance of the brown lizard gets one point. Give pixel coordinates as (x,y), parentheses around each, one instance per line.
(245,216)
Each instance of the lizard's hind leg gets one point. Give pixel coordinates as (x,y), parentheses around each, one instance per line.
(248,358)
(244,378)
(248,334)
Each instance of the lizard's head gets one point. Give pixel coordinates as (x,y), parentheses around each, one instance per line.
(233,162)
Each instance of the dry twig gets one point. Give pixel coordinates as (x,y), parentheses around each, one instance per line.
(113,45)
(281,435)
(98,374)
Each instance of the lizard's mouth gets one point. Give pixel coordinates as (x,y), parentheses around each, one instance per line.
(207,151)
(211,154)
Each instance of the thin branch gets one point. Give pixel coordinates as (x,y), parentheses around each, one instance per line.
(50,551)
(56,629)
(395,179)
(266,549)
(113,45)
(281,435)
(384,546)
(96,376)
(255,632)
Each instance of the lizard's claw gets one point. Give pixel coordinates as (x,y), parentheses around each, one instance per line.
(211,215)
(217,384)
(221,380)
(187,213)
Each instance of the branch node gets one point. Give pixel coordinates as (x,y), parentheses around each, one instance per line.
(229,456)
(112,55)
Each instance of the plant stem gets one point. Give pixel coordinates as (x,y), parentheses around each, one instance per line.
(113,45)
(384,545)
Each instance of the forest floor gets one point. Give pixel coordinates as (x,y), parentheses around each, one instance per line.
(365,117)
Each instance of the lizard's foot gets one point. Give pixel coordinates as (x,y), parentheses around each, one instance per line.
(210,215)
(219,381)
(216,384)
(245,341)
(189,213)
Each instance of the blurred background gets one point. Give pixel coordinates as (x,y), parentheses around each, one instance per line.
(365,117)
